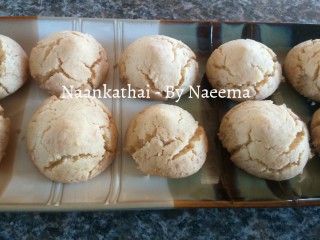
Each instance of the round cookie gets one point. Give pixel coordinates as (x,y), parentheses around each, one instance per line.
(13,66)
(301,67)
(157,63)
(72,139)
(166,141)
(266,140)
(315,130)
(68,58)
(4,133)
(246,66)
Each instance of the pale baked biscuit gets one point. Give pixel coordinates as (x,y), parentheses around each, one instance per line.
(266,140)
(4,133)
(13,66)
(315,130)
(166,141)
(72,139)
(68,58)
(301,67)
(244,65)
(156,63)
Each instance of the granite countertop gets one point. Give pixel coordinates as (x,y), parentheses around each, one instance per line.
(248,223)
(303,11)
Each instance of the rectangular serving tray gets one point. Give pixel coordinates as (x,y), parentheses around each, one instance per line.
(122,186)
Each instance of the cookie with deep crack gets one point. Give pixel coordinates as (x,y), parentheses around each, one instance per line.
(159,64)
(4,132)
(166,141)
(315,130)
(247,67)
(68,58)
(301,67)
(72,139)
(13,66)
(266,140)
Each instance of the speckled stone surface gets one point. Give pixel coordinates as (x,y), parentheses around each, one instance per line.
(250,223)
(280,224)
(303,11)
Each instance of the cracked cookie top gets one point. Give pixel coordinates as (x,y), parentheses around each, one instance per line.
(246,65)
(68,58)
(156,63)
(166,141)
(72,139)
(266,140)
(302,68)
(4,133)
(13,66)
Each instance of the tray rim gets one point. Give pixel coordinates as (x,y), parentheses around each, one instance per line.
(141,205)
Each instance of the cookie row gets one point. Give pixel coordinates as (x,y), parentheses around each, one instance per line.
(264,139)
(70,58)
(155,62)
(75,139)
